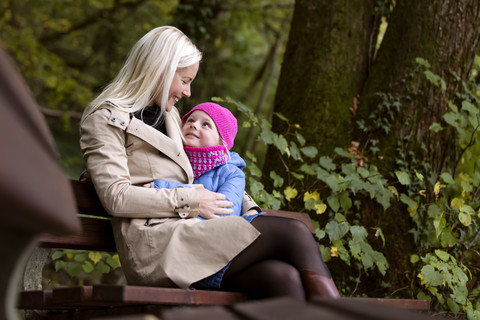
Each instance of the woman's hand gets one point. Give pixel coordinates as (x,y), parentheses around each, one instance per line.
(212,203)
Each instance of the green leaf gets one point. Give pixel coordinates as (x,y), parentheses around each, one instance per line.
(296,155)
(345,201)
(380,262)
(414,258)
(412,205)
(454,307)
(439,223)
(431,276)
(403,177)
(277,180)
(88,267)
(359,233)
(333,203)
(435,79)
(251,156)
(469,107)
(308,169)
(435,127)
(297,176)
(254,170)
(451,119)
(114,261)
(343,153)
(333,184)
(448,238)
(422,62)
(434,211)
(59,265)
(327,163)
(57,255)
(102,267)
(342,251)
(319,233)
(95,256)
(336,230)
(364,173)
(447,177)
(465,218)
(300,138)
(266,137)
(442,254)
(74,269)
(340,217)
(281,116)
(309,151)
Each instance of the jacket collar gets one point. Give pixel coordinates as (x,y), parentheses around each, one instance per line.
(170,145)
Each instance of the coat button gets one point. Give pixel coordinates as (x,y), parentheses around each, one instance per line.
(122,123)
(114,119)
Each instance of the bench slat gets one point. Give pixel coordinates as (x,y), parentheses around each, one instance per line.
(171,296)
(97,235)
(34,299)
(399,303)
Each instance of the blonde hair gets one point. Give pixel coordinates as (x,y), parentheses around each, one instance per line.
(148,71)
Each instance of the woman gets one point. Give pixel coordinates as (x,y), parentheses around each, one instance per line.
(130,136)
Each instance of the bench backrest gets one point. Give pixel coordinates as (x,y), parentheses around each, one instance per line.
(97,232)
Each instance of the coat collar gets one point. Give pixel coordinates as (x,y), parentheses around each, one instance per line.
(171,145)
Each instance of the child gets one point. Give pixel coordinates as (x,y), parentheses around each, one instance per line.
(209,131)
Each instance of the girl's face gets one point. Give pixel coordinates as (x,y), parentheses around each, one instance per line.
(200,131)
(180,86)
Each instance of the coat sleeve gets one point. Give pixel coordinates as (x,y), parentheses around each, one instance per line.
(103,146)
(234,188)
(159,184)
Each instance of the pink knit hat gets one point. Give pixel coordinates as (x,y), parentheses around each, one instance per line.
(224,120)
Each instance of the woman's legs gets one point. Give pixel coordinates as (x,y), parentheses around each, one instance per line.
(268,278)
(282,242)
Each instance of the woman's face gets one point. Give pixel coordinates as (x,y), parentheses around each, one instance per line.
(181,85)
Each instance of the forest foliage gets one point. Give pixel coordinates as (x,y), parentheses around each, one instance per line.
(68,50)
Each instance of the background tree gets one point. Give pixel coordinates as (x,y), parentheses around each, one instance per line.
(397,107)
(327,59)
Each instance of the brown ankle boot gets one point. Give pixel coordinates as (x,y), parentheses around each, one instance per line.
(318,285)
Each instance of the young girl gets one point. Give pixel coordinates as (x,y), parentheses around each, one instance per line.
(209,132)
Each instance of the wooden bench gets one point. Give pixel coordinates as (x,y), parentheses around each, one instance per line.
(97,236)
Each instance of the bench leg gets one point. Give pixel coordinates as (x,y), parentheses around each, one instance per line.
(15,248)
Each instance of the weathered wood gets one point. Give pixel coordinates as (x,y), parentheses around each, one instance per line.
(170,296)
(372,309)
(97,235)
(87,199)
(34,299)
(199,313)
(284,308)
(412,304)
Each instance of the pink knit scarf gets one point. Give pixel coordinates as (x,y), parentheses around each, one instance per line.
(204,159)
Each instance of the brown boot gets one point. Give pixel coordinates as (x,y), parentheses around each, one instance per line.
(318,285)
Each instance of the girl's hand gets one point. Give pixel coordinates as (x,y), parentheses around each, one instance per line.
(212,203)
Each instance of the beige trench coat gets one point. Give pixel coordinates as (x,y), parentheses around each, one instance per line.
(173,248)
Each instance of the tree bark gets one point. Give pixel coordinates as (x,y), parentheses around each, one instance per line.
(326,62)
(446,34)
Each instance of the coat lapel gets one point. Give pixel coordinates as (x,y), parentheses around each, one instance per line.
(170,145)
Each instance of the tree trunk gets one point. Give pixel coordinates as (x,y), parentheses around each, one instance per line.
(445,33)
(326,61)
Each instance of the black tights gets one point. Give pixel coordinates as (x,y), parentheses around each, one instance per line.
(270,265)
